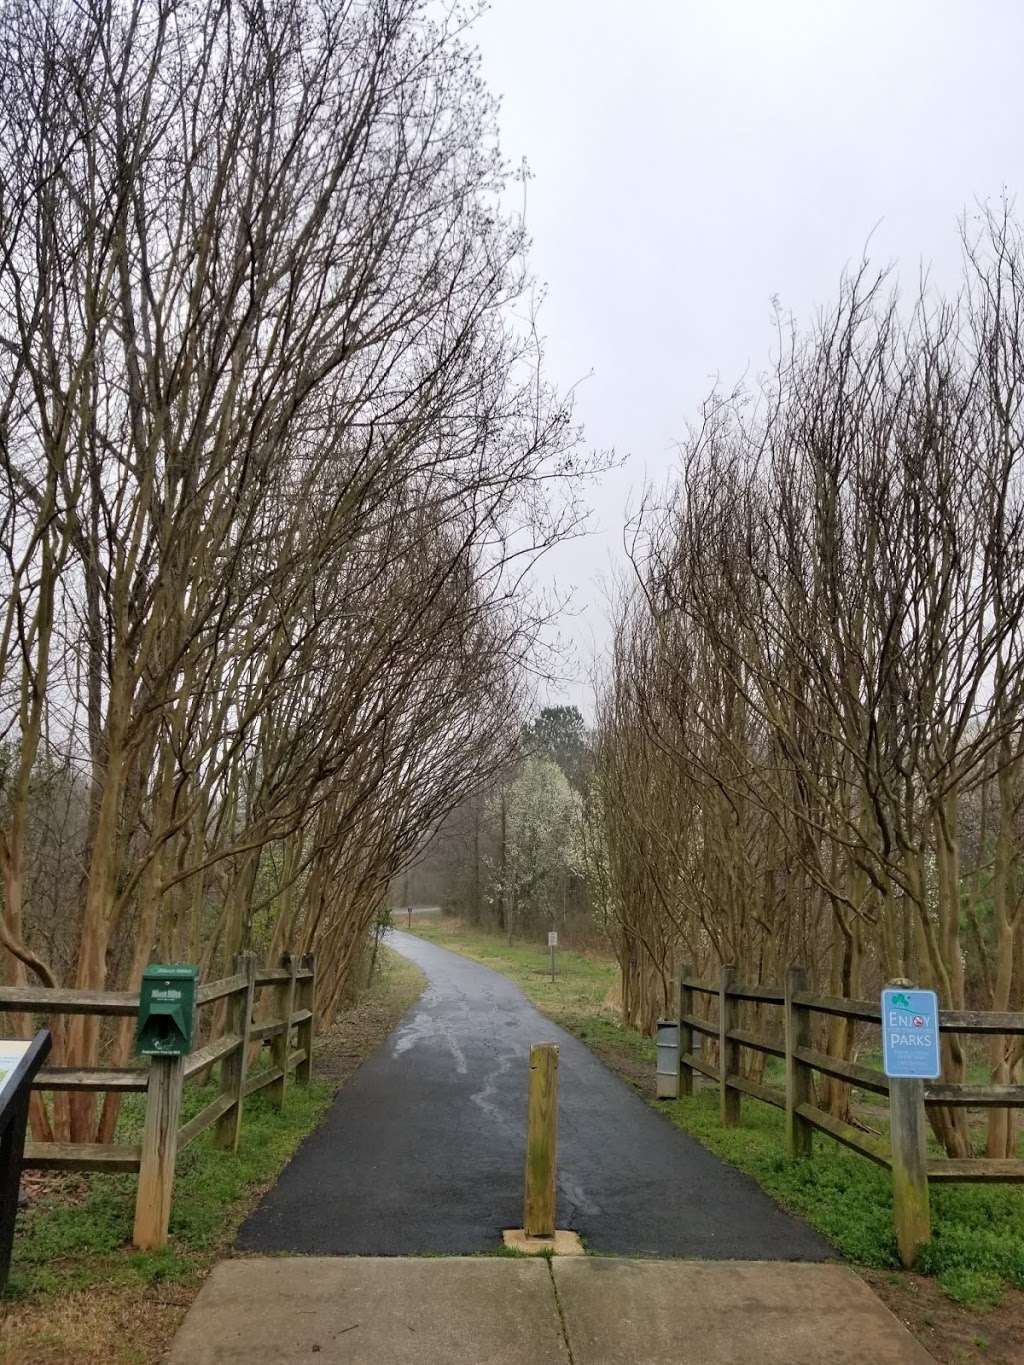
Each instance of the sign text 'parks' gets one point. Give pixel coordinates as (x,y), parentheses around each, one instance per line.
(910,1033)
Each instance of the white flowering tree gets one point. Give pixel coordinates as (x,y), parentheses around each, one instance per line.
(539,854)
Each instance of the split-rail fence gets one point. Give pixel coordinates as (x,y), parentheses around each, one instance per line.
(286,1025)
(905,1155)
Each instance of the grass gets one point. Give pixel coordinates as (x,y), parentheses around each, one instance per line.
(79,1293)
(64,1245)
(977,1244)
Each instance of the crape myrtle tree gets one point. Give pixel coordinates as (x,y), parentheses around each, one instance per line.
(275,460)
(810,737)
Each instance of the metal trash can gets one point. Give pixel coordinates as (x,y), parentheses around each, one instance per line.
(667,1078)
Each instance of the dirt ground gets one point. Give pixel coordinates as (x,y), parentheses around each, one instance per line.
(954,1335)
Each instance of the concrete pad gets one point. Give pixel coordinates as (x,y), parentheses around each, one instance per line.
(373,1311)
(563,1243)
(621,1312)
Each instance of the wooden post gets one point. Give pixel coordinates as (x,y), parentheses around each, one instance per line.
(685,1031)
(908,1135)
(304,1071)
(159,1152)
(541,1141)
(799,1085)
(728,1052)
(910,1199)
(234,1069)
(281,1044)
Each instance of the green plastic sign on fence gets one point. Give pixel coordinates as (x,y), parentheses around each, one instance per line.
(910,1034)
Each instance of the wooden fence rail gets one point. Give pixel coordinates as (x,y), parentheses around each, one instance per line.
(904,1155)
(291,990)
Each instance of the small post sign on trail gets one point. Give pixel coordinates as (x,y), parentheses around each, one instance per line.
(910,1033)
(552,945)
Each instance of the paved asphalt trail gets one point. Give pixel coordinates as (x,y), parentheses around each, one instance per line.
(422,1151)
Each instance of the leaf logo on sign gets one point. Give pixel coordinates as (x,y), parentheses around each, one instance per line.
(901,1000)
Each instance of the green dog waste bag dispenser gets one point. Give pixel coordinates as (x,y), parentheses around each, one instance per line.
(167,1011)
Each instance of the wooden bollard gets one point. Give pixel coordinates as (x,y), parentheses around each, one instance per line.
(541,1141)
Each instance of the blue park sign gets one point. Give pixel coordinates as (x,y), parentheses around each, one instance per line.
(910,1033)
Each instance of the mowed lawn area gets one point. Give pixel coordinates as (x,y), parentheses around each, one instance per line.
(965,1305)
(582,982)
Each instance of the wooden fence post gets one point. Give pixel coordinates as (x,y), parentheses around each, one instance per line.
(799,1081)
(234,1069)
(159,1152)
(307,995)
(541,1141)
(685,1031)
(281,1045)
(910,1199)
(728,1052)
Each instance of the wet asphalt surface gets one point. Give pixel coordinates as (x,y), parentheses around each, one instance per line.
(422,1151)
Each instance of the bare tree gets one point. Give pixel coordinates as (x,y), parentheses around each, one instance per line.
(277,461)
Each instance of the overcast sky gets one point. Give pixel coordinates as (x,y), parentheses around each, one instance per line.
(693,159)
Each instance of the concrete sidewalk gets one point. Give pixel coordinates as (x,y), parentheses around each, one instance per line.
(576,1311)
